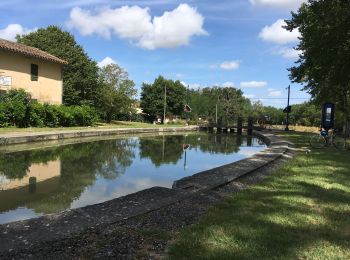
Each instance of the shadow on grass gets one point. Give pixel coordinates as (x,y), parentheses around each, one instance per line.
(301,211)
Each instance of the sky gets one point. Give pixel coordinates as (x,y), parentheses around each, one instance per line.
(238,43)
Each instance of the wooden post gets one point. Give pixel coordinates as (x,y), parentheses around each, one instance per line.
(239,125)
(250,125)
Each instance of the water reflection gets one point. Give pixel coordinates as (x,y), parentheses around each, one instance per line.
(50,180)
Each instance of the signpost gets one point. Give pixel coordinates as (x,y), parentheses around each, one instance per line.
(328,116)
(187,109)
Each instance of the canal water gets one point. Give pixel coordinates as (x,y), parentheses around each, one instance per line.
(43,181)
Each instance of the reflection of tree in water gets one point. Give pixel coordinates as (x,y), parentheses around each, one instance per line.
(168,149)
(215,143)
(16,165)
(80,163)
(162,149)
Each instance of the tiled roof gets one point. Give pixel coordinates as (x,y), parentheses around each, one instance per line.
(29,51)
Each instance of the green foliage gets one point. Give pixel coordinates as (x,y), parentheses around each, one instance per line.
(152,97)
(324,65)
(80,76)
(306,114)
(17,109)
(229,101)
(14,108)
(116,93)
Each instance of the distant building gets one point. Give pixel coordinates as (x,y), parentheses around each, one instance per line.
(37,72)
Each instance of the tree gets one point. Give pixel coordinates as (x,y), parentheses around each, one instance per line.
(80,75)
(117,92)
(152,97)
(229,102)
(324,65)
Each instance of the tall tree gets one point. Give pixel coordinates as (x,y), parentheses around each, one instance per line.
(80,83)
(228,101)
(153,95)
(116,93)
(324,65)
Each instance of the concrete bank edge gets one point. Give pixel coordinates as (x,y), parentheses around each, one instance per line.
(42,137)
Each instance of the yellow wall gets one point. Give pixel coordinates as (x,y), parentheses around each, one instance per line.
(48,88)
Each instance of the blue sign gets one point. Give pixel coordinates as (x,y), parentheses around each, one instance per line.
(328,116)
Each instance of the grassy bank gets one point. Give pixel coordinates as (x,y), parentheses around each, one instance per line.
(302,211)
(116,124)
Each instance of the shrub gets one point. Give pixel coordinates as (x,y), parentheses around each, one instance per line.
(3,121)
(36,114)
(51,118)
(84,115)
(17,109)
(66,116)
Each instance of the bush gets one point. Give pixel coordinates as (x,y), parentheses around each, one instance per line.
(36,114)
(3,121)
(17,109)
(51,118)
(66,117)
(84,115)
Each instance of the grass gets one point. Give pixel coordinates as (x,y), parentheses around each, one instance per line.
(116,124)
(302,211)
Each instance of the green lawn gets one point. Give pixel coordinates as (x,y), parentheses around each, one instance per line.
(117,124)
(302,211)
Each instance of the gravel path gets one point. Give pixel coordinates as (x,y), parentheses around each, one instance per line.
(142,237)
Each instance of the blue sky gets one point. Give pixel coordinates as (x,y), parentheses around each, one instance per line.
(202,43)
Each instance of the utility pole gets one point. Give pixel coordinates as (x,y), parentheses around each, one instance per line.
(216,113)
(287,120)
(164,104)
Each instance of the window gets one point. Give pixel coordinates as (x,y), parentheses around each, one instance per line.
(34,72)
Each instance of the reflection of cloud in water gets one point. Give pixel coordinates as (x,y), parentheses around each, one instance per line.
(104,192)
(18,214)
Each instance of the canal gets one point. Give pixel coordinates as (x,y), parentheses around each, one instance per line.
(34,182)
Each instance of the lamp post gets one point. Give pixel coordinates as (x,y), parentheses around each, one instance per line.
(287,119)
(164,105)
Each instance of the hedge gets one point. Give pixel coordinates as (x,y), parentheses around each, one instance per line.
(18,109)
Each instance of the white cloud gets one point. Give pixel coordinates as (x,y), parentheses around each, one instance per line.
(289,53)
(290,4)
(226,65)
(229,65)
(228,84)
(275,93)
(191,86)
(253,84)
(276,34)
(248,95)
(12,30)
(170,30)
(106,61)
